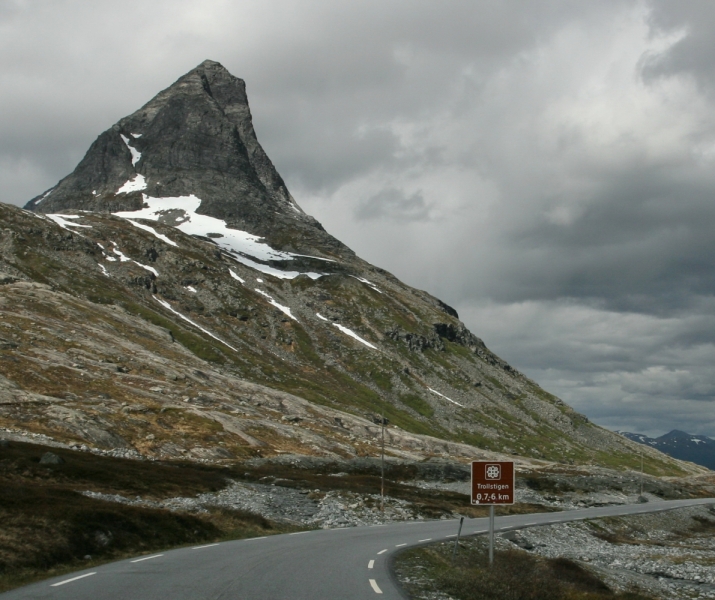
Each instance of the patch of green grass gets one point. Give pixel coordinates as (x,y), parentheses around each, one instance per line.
(418,404)
(193,342)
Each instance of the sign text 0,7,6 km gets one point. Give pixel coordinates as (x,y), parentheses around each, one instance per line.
(492,482)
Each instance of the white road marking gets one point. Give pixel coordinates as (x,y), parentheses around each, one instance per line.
(375,587)
(146,558)
(382,551)
(371,564)
(74,579)
(425,540)
(206,546)
(452,535)
(481,531)
(400,545)
(298,532)
(529,524)
(263,537)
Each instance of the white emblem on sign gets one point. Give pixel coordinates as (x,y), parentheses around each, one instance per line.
(492,472)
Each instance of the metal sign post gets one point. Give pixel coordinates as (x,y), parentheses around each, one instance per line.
(491,534)
(493,482)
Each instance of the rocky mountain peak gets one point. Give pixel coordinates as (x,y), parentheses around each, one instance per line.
(195,138)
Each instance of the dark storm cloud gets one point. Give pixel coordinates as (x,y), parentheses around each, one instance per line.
(547,167)
(644,242)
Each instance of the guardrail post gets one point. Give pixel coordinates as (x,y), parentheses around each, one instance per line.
(456,542)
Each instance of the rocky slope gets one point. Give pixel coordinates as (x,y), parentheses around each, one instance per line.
(169,298)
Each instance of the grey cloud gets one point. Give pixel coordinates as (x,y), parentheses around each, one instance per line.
(644,243)
(693,53)
(625,371)
(394,204)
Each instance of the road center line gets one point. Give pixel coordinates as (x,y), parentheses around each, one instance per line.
(371,564)
(206,546)
(400,545)
(425,540)
(375,587)
(146,558)
(382,551)
(73,579)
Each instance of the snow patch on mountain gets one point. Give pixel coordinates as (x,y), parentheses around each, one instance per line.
(47,193)
(352,334)
(268,270)
(369,283)
(239,245)
(133,185)
(124,258)
(236,277)
(168,306)
(136,155)
(445,397)
(154,232)
(347,331)
(280,307)
(62,221)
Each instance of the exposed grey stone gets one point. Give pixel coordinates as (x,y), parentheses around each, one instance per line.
(50,458)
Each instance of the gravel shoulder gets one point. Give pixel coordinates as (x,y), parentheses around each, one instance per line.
(668,555)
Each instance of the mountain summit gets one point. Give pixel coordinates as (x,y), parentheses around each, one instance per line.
(169,298)
(195,138)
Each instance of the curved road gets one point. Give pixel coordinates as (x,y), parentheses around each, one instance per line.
(333,564)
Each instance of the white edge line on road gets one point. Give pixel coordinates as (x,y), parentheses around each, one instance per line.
(371,564)
(73,579)
(206,546)
(452,535)
(298,532)
(481,531)
(263,537)
(382,551)
(400,545)
(425,540)
(375,587)
(146,558)
(529,524)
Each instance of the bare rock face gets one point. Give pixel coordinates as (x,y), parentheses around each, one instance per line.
(194,138)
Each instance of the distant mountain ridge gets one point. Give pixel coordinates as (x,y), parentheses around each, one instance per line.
(698,449)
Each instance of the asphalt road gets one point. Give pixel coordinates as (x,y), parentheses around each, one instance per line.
(333,564)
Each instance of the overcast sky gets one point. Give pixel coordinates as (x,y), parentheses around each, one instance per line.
(545,167)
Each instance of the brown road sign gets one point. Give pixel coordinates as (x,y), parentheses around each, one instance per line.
(493,482)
